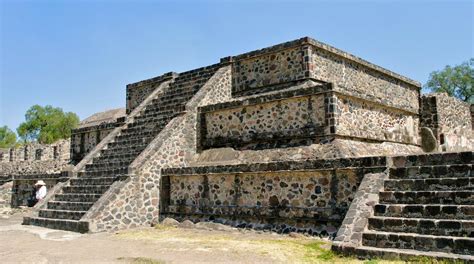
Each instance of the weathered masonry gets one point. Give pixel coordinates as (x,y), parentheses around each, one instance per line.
(92,130)
(297,137)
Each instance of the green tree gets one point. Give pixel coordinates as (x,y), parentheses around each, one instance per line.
(7,137)
(457,81)
(47,124)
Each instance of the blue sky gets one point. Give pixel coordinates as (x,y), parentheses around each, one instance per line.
(79,55)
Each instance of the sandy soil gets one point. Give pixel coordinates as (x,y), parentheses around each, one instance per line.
(29,244)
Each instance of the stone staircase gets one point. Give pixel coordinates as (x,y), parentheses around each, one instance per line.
(66,208)
(426,208)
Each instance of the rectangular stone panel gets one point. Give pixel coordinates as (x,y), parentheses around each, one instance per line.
(265,122)
(320,194)
(367,120)
(280,69)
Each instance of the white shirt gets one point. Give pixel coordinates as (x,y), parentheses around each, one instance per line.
(41,193)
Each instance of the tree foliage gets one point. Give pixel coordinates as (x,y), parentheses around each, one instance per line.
(457,81)
(7,137)
(47,124)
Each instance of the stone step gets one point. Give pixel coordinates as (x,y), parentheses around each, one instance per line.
(115,158)
(70,206)
(107,154)
(439,211)
(61,214)
(61,224)
(447,244)
(166,105)
(148,129)
(444,158)
(104,173)
(410,255)
(125,148)
(131,140)
(152,117)
(77,197)
(92,189)
(436,171)
(429,184)
(86,181)
(107,164)
(145,129)
(427,197)
(425,226)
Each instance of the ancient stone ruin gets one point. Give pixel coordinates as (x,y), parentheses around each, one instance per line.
(297,137)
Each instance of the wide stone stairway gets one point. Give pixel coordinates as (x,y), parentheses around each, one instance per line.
(66,208)
(427,205)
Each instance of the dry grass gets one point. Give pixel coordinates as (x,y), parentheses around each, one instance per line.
(277,248)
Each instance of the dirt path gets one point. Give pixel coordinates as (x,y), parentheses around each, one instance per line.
(29,244)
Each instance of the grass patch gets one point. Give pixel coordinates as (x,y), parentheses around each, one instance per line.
(371,261)
(429,260)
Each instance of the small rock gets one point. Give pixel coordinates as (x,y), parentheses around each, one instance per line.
(213,226)
(170,222)
(428,140)
(186,224)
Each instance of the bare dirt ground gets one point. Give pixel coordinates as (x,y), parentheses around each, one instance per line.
(162,244)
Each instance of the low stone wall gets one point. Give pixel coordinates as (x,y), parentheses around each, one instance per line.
(8,169)
(285,196)
(37,152)
(23,186)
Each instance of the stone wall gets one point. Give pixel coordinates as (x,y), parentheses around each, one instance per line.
(83,140)
(38,152)
(5,194)
(285,65)
(8,169)
(280,119)
(364,80)
(92,130)
(472,116)
(23,186)
(302,116)
(35,158)
(366,120)
(277,66)
(139,91)
(450,120)
(454,123)
(288,196)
